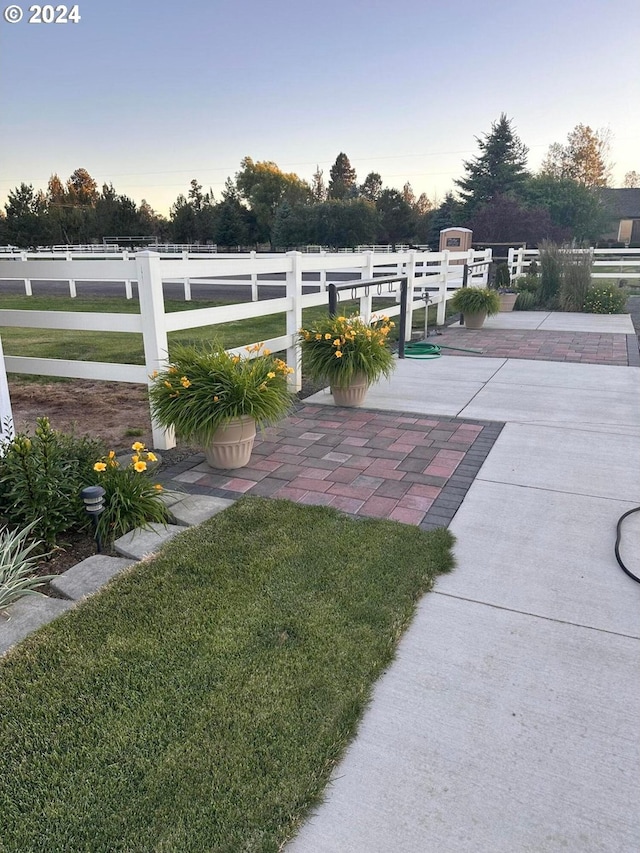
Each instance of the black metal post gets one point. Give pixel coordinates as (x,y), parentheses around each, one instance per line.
(333,299)
(403,315)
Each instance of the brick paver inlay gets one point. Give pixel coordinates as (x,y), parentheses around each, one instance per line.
(580,347)
(410,468)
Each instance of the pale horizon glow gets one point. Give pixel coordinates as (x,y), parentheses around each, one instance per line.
(149,95)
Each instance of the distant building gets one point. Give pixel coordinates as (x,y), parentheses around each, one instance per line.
(623,207)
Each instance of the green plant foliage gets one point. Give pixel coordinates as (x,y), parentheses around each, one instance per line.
(533,268)
(474,300)
(335,349)
(18,563)
(605,299)
(528,283)
(576,279)
(503,279)
(526,301)
(203,387)
(201,700)
(41,477)
(550,274)
(131,498)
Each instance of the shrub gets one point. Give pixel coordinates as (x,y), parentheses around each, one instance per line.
(41,478)
(604,299)
(17,564)
(338,348)
(131,499)
(475,300)
(550,274)
(527,284)
(533,268)
(576,279)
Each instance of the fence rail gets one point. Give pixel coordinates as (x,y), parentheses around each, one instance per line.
(607,263)
(431,277)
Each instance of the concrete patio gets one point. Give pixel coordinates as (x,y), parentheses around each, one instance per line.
(509,720)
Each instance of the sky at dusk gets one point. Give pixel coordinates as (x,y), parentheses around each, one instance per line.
(148,94)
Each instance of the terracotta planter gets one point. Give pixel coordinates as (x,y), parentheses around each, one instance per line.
(507,301)
(232,443)
(354,394)
(475,320)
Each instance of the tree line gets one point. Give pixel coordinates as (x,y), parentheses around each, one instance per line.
(498,197)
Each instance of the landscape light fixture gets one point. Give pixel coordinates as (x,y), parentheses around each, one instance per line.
(93,499)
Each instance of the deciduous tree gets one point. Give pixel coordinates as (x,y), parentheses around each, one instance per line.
(584,158)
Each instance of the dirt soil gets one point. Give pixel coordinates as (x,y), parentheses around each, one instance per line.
(116,412)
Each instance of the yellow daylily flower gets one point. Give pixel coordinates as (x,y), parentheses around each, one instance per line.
(270,375)
(137,445)
(151,457)
(140,467)
(100,466)
(338,354)
(185,382)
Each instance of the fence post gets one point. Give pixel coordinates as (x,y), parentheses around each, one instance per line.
(6,416)
(323,274)
(254,281)
(366,301)
(72,281)
(520,267)
(154,333)
(27,281)
(186,281)
(294,319)
(510,261)
(442,304)
(128,292)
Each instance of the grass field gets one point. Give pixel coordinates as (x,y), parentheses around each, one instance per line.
(127,347)
(200,702)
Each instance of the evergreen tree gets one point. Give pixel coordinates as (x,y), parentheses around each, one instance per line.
(446,215)
(318,189)
(499,169)
(342,182)
(372,187)
(397,220)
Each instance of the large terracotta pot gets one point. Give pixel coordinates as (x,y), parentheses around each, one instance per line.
(354,394)
(232,443)
(475,320)
(507,301)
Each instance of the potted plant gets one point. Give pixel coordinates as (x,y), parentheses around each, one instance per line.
(476,304)
(217,398)
(507,293)
(347,353)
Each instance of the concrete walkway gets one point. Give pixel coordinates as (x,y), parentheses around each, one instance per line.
(509,720)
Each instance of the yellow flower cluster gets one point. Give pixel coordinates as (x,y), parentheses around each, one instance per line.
(351,330)
(139,460)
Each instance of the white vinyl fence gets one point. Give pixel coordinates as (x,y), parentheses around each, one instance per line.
(607,263)
(431,276)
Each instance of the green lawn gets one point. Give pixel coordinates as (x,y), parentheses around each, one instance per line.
(200,701)
(127,348)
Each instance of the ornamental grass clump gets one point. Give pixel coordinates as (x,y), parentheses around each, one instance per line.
(205,387)
(18,564)
(131,499)
(337,349)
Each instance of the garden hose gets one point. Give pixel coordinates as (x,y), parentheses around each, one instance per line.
(422,349)
(617,547)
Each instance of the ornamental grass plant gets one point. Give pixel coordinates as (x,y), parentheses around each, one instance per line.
(336,349)
(204,387)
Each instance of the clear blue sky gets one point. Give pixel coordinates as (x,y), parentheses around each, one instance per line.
(149,94)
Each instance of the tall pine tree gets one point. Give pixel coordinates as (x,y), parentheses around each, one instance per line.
(342,182)
(499,169)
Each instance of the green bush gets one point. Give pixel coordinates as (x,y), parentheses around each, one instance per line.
(527,284)
(131,498)
(576,279)
(41,478)
(604,299)
(533,268)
